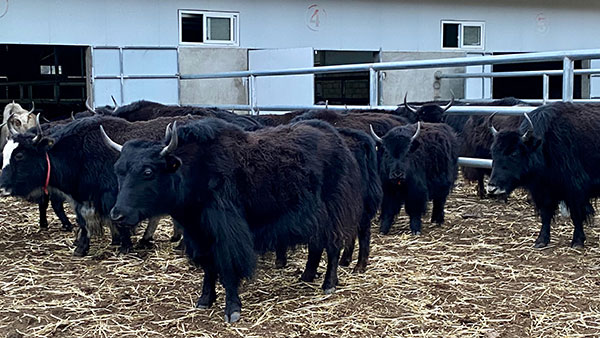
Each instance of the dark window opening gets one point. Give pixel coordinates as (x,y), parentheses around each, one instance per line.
(343,88)
(450,35)
(532,87)
(192,27)
(54,77)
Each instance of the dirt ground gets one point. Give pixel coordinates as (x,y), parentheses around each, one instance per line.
(476,276)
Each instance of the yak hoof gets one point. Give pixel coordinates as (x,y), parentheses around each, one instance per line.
(233,317)
(577,245)
(345,261)
(123,250)
(43,225)
(67,227)
(175,238)
(540,244)
(115,241)
(329,291)
(359,269)
(280,264)
(145,244)
(80,252)
(416,233)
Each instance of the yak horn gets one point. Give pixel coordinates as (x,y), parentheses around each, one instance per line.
(167,131)
(110,143)
(491,125)
(530,125)
(375,136)
(115,102)
(32,107)
(416,132)
(39,135)
(408,106)
(172,143)
(446,107)
(72,116)
(89,107)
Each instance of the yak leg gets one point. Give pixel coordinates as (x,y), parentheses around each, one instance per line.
(209,295)
(43,206)
(124,234)
(579,215)
(331,279)
(83,237)
(348,250)
(314,257)
(59,210)
(233,304)
(364,243)
(415,208)
(177,232)
(390,207)
(146,241)
(280,257)
(437,212)
(480,185)
(546,213)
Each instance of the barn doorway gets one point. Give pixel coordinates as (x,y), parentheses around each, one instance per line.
(343,88)
(532,87)
(52,77)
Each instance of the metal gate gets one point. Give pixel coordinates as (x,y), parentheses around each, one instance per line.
(134,73)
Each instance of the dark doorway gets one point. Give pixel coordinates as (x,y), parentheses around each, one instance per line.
(53,77)
(343,88)
(532,87)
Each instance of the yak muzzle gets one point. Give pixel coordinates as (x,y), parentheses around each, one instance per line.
(116,215)
(494,190)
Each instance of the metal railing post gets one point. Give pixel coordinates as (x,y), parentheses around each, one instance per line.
(568,80)
(252,94)
(373,88)
(546,88)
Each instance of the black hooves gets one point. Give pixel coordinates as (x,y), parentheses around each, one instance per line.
(233,317)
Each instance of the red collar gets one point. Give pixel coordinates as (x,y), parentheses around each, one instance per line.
(47,175)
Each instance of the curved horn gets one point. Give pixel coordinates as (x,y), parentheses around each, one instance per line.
(168,131)
(110,143)
(72,116)
(530,125)
(408,106)
(416,132)
(39,135)
(89,107)
(115,102)
(172,143)
(446,107)
(375,136)
(11,129)
(32,107)
(326,104)
(491,125)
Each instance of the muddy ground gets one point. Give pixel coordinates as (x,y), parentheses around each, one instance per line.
(476,276)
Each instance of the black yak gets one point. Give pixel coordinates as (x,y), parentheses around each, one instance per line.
(71,160)
(237,192)
(554,155)
(418,163)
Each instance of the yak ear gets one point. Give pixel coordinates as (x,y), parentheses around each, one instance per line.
(532,142)
(414,145)
(173,163)
(46,143)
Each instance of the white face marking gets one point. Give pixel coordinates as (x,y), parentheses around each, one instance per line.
(10,146)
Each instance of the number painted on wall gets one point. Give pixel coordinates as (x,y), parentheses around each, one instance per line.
(316,17)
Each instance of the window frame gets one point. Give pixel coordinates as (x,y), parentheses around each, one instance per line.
(461,24)
(234,27)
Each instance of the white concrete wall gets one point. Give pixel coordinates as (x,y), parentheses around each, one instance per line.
(511,25)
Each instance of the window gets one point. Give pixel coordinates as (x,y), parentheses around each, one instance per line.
(209,28)
(462,35)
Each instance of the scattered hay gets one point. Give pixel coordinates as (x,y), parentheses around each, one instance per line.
(477,275)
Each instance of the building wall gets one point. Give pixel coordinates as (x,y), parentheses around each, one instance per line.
(511,25)
(212,60)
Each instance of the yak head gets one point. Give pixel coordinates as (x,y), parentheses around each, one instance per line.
(25,165)
(429,112)
(17,119)
(395,147)
(148,175)
(514,156)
